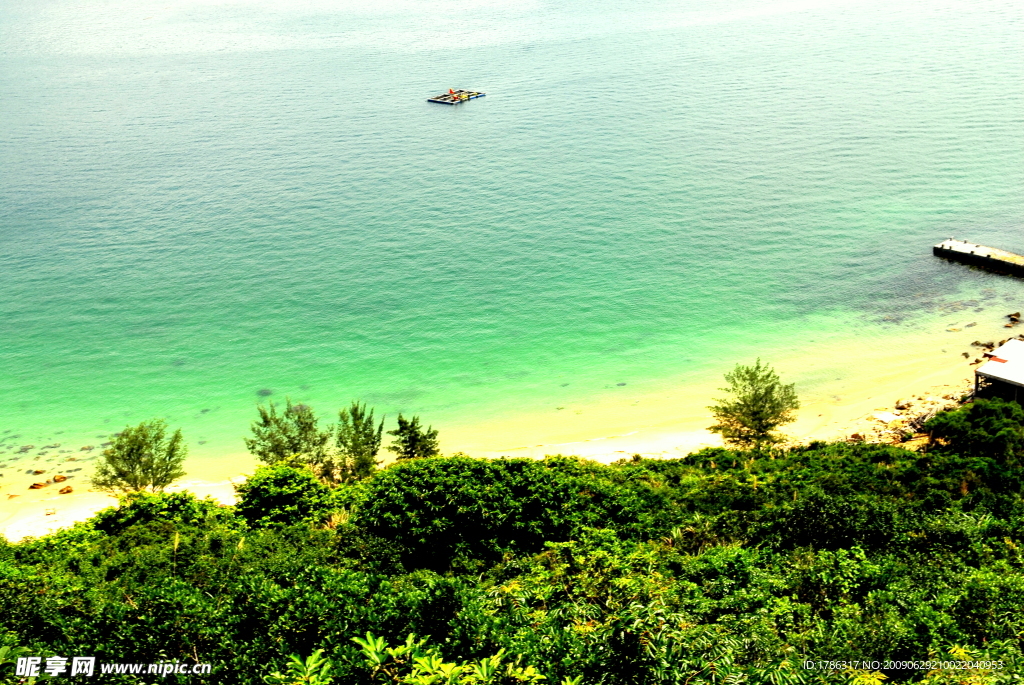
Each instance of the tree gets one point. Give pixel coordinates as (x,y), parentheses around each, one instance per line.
(292,437)
(758,404)
(141,458)
(412,441)
(358,441)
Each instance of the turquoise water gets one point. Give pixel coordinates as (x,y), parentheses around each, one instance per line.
(203,203)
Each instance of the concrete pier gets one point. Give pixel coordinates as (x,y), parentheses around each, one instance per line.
(989,258)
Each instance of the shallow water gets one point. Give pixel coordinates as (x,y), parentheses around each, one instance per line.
(208,204)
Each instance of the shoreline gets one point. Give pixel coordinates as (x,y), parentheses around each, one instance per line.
(928,369)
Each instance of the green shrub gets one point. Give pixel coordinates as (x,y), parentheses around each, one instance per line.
(282,495)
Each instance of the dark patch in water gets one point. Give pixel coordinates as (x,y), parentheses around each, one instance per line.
(203,411)
(202,442)
(178,362)
(620,384)
(564,384)
(264,392)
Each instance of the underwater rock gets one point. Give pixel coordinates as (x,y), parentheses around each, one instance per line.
(59,479)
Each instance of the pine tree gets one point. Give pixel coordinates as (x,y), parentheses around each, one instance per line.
(141,458)
(358,440)
(412,441)
(293,436)
(759,404)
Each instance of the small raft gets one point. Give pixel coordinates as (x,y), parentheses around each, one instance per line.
(454,97)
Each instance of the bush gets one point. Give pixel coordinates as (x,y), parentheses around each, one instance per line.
(179,507)
(985,428)
(283,495)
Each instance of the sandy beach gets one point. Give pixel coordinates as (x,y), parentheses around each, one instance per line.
(851,392)
(39,512)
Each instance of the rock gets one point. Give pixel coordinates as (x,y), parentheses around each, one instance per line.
(66,490)
(1007,325)
(857,437)
(903,404)
(966,355)
(971,324)
(1015,315)
(88,448)
(36,486)
(59,479)
(38,472)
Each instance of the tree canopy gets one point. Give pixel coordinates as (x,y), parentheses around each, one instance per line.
(992,428)
(358,440)
(756,405)
(292,436)
(141,458)
(413,441)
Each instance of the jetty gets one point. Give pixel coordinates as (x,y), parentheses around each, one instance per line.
(990,258)
(454,97)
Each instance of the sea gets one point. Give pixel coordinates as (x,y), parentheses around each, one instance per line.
(210,204)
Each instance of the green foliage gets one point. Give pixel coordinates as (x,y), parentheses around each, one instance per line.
(315,670)
(727,566)
(180,508)
(291,437)
(985,428)
(758,403)
(141,458)
(412,441)
(358,441)
(282,495)
(452,511)
(415,663)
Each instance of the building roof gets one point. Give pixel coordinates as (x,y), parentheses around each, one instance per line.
(1006,363)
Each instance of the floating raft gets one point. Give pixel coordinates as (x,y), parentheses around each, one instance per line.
(456,97)
(989,258)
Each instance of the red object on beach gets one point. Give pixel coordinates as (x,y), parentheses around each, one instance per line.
(997,359)
(451,92)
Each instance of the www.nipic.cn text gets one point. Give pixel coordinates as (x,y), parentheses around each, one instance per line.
(54,666)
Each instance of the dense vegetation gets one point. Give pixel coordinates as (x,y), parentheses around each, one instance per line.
(723,567)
